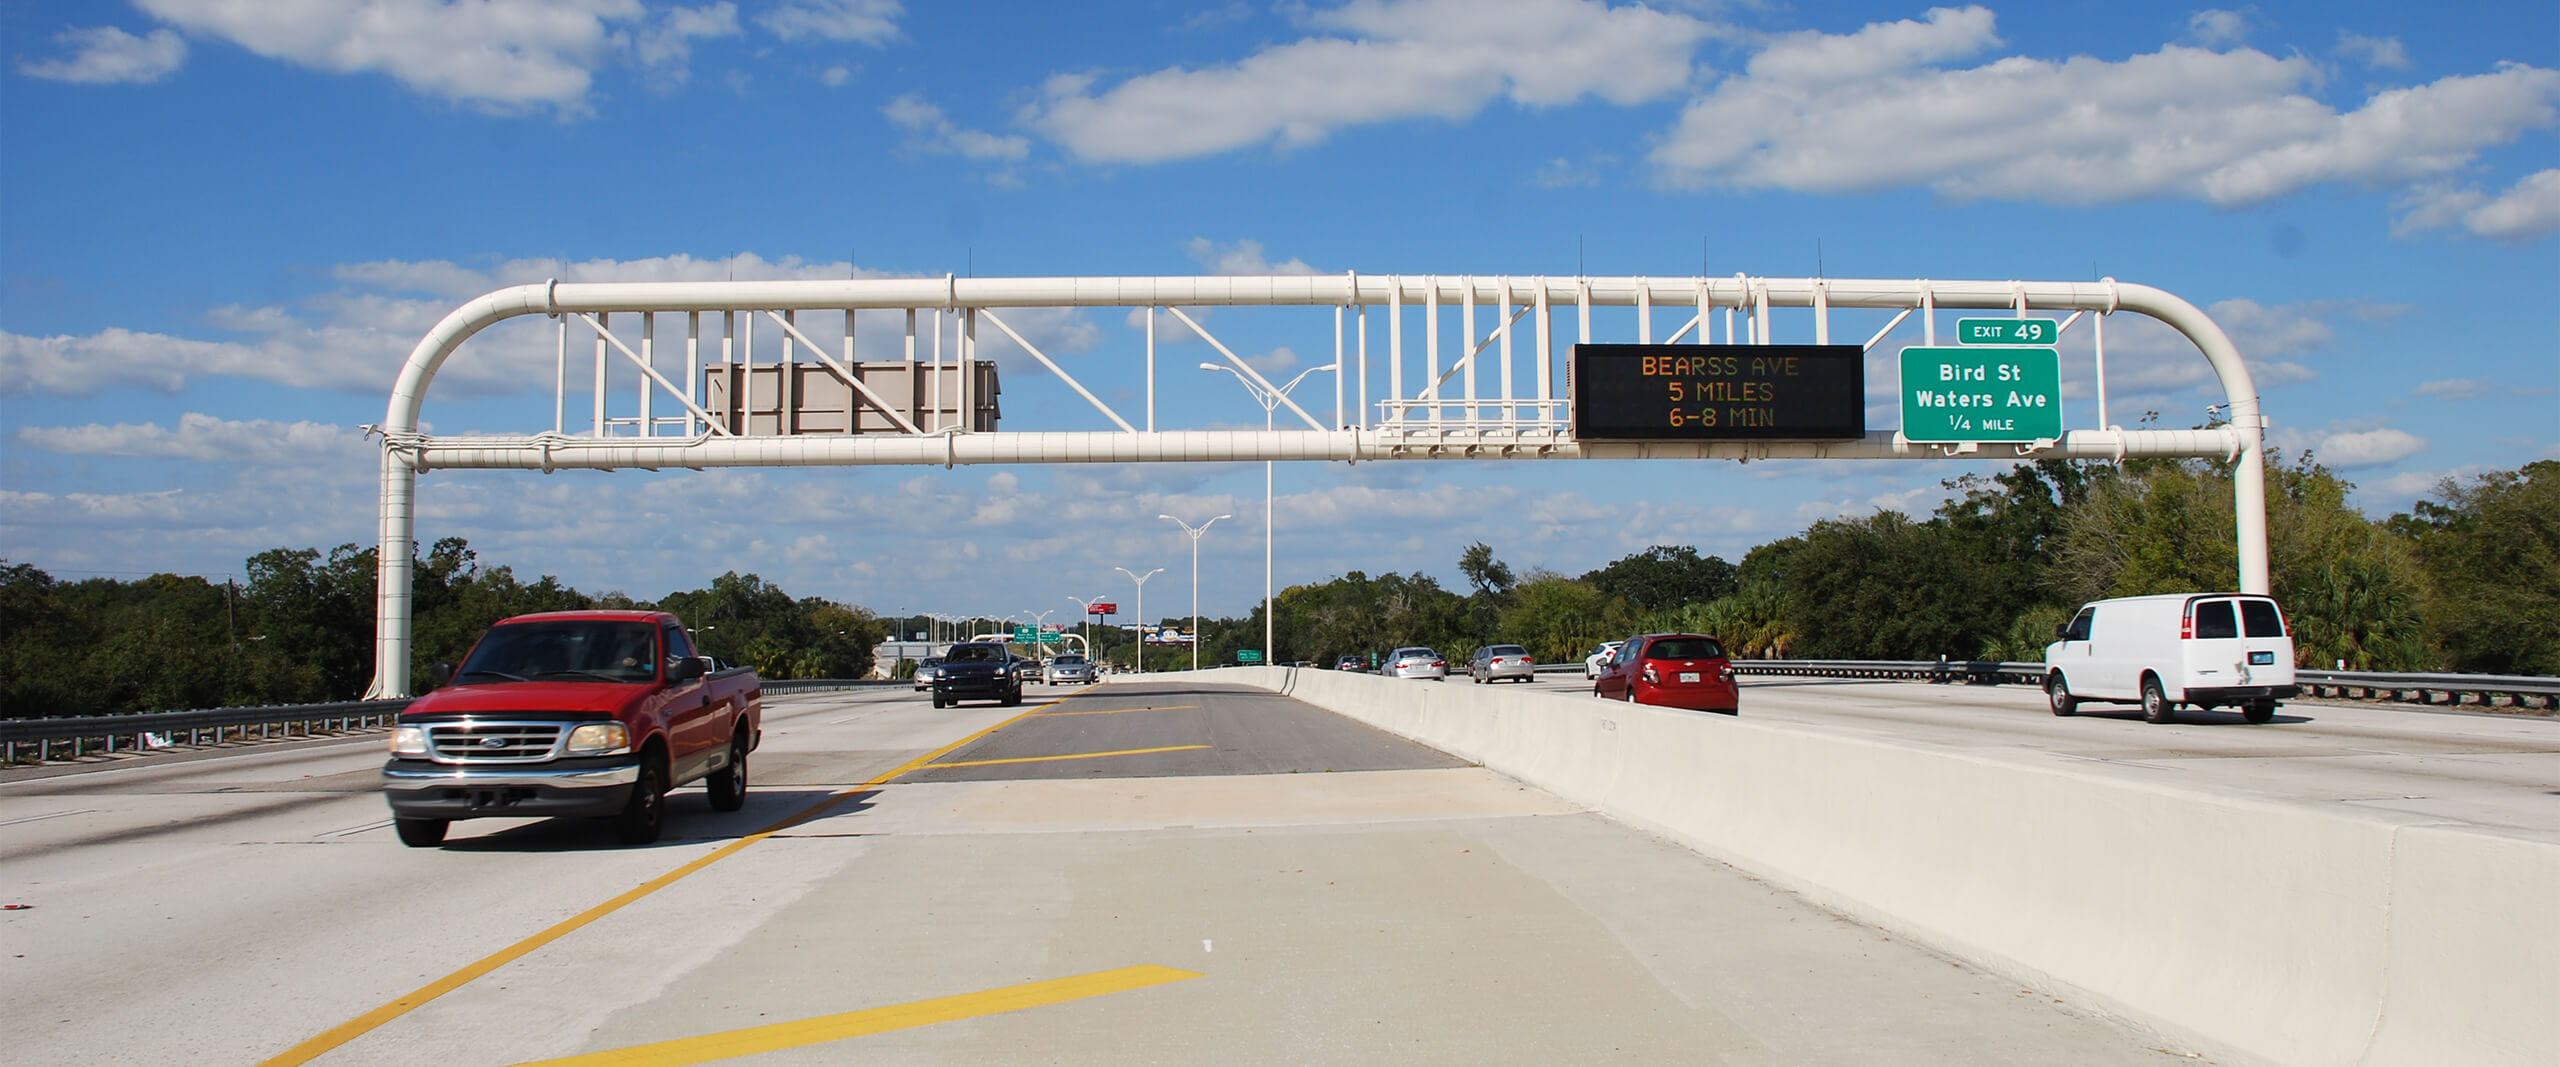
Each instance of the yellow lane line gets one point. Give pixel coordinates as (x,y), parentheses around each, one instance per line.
(352,1029)
(1047,759)
(1120,711)
(775,1037)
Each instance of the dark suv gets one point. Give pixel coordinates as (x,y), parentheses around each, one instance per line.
(978,670)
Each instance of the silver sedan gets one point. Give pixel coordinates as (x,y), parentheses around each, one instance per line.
(1069,669)
(1416,663)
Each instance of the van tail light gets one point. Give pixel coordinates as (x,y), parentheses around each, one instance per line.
(2187,624)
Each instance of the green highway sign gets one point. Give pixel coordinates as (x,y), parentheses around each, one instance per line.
(2007,331)
(1026,634)
(1981,394)
(1248,655)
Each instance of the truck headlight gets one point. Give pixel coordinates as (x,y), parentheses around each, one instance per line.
(409,741)
(598,739)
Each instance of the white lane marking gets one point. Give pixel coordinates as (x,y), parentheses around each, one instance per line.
(1204,945)
(54,815)
(354,830)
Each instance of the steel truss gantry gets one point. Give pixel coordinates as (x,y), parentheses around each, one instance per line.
(1497,394)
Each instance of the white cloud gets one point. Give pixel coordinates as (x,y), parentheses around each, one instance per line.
(1377,61)
(2218,29)
(1243,257)
(2378,52)
(871,22)
(105,55)
(836,76)
(205,438)
(1562,173)
(936,133)
(2368,448)
(2453,389)
(667,47)
(499,55)
(2529,209)
(1868,110)
(355,337)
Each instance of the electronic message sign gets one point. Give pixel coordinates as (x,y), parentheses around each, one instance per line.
(1719,392)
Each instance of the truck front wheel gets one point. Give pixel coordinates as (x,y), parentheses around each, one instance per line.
(421,833)
(644,816)
(729,784)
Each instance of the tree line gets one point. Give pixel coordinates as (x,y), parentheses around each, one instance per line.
(2468,580)
(299,630)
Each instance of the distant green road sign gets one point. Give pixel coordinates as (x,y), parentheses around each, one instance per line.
(1981,394)
(1248,655)
(2007,331)
(1026,634)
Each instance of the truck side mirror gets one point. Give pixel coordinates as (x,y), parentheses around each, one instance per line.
(688,669)
(441,674)
(2062,631)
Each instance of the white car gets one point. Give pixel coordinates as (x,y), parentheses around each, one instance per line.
(1600,659)
(1416,663)
(2204,649)
(1068,668)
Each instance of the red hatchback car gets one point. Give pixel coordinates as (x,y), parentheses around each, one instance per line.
(1673,670)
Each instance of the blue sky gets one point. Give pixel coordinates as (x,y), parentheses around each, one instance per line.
(223,225)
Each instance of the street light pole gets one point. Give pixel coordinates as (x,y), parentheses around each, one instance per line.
(1195,578)
(1270,401)
(1140,610)
(1088,622)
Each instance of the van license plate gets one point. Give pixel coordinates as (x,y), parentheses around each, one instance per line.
(2261,659)
(1688,676)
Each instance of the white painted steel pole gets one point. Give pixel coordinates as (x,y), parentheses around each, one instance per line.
(1140,610)
(1195,578)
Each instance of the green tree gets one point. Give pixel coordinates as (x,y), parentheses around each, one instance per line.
(1665,576)
(1885,587)
(2492,548)
(1558,619)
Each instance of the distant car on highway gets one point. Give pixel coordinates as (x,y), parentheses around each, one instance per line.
(1416,662)
(1068,669)
(1673,670)
(1351,663)
(1494,663)
(979,670)
(925,672)
(1599,659)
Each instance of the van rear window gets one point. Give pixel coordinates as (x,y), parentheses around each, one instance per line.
(2213,619)
(2260,618)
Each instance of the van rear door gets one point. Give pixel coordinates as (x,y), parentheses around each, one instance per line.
(2227,642)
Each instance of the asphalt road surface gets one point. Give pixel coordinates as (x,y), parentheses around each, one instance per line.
(1139,872)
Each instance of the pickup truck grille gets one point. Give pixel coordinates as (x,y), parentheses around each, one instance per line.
(493,742)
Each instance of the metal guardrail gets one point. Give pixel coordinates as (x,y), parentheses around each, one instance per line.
(2521,690)
(80,734)
(77,736)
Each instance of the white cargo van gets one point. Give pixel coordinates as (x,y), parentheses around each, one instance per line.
(2204,649)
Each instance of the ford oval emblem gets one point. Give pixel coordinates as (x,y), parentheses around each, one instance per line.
(493,741)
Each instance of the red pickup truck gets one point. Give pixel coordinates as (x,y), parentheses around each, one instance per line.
(595,713)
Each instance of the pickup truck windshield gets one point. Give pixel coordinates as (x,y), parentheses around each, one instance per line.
(564,651)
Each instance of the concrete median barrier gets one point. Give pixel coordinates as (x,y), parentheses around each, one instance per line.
(2285,932)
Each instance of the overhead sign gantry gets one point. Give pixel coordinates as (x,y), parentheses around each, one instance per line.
(1502,391)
